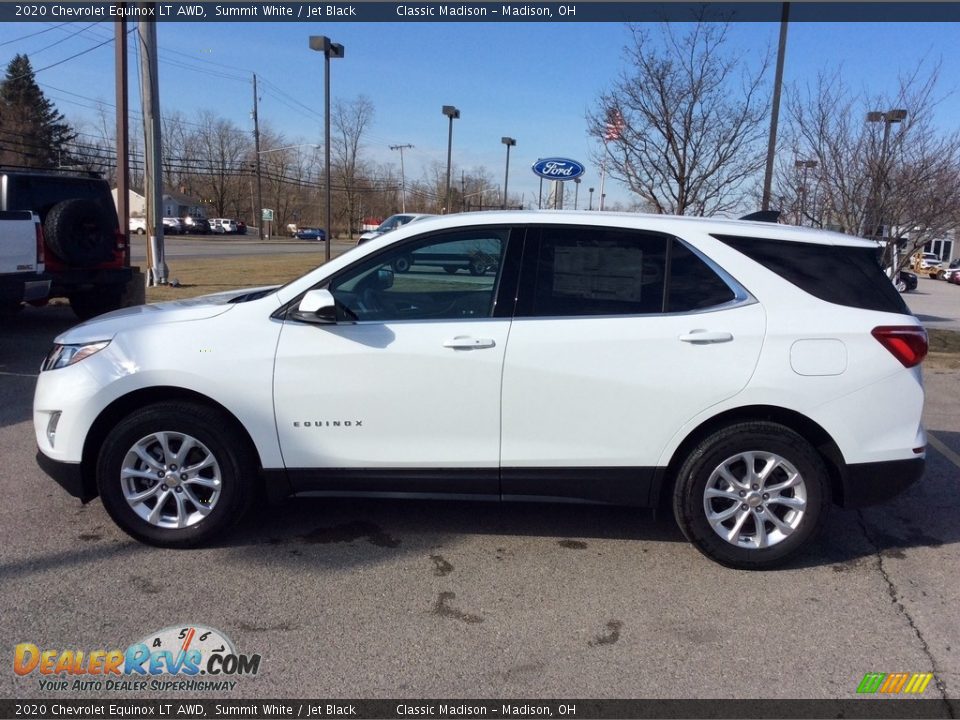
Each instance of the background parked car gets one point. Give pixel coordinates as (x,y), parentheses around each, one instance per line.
(196,225)
(173,226)
(927,264)
(138,225)
(223,226)
(311,233)
(908,281)
(945,272)
(391,223)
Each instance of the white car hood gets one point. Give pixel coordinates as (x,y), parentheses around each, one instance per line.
(105,327)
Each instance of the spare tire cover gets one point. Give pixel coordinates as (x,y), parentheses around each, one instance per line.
(80,232)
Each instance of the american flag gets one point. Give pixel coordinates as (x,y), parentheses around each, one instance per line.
(615,125)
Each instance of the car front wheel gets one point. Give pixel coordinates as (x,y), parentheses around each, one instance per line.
(751,495)
(174,475)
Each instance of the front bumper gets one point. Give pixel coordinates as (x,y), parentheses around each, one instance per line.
(69,476)
(872,483)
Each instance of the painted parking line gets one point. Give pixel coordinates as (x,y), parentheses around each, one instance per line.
(937,445)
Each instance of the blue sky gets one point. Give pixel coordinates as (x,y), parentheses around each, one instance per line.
(532,81)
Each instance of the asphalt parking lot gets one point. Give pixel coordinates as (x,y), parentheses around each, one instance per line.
(377,599)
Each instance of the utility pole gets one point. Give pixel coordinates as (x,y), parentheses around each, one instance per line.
(123,129)
(258,213)
(403,182)
(775,109)
(153,167)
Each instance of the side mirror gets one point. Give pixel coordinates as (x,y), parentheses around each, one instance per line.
(317,307)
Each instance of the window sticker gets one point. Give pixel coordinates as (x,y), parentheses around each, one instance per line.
(592,273)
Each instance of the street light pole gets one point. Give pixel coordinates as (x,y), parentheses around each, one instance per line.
(453,114)
(403,182)
(591,200)
(806,165)
(880,176)
(576,192)
(509,142)
(321,43)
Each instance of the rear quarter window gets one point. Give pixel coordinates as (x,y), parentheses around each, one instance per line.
(849,276)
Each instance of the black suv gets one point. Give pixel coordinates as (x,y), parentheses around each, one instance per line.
(87,256)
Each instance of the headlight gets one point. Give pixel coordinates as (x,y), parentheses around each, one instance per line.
(65,355)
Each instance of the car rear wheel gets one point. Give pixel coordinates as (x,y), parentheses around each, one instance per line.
(751,495)
(174,475)
(402,264)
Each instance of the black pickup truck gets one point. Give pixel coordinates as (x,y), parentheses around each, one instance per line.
(87,256)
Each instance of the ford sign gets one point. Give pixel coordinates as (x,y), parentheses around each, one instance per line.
(558,169)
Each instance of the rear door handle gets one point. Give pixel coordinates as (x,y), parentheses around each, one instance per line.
(704,337)
(463,342)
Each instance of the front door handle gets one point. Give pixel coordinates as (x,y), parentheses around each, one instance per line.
(464,342)
(698,337)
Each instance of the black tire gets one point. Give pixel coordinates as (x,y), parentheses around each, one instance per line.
(402,264)
(451,269)
(477,267)
(215,431)
(80,232)
(90,303)
(761,437)
(141,231)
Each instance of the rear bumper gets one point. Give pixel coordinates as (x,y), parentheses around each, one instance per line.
(70,279)
(872,483)
(68,476)
(23,287)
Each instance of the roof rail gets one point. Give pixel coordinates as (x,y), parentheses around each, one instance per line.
(770,216)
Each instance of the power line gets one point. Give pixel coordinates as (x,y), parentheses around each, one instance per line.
(61,40)
(34,71)
(33,34)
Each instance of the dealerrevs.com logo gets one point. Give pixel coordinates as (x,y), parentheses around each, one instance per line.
(186,658)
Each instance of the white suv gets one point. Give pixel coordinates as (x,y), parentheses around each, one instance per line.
(736,370)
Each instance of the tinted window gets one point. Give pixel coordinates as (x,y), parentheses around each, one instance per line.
(39,193)
(597,271)
(693,284)
(449,275)
(848,276)
(603,271)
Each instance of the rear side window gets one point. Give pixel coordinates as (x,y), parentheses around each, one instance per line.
(849,276)
(582,271)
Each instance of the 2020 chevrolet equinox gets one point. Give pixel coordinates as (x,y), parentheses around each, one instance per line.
(748,373)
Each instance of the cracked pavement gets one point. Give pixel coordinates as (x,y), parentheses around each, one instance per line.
(473,600)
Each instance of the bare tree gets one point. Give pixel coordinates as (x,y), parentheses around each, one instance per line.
(350,122)
(683,125)
(908,191)
(222,148)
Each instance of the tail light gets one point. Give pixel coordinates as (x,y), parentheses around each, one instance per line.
(121,239)
(40,256)
(907,343)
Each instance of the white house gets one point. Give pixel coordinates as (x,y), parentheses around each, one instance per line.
(174,205)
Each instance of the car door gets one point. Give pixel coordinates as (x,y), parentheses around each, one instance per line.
(403,392)
(607,359)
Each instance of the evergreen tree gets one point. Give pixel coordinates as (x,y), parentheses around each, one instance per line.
(33,133)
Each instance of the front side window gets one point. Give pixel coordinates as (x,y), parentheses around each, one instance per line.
(450,275)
